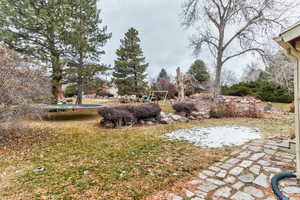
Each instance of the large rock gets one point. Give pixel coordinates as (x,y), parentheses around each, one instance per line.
(268,107)
(166,120)
(163,114)
(175,117)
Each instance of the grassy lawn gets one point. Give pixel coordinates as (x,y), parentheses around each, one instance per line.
(280,106)
(83,161)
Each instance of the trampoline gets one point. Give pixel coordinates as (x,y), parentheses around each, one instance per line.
(62,107)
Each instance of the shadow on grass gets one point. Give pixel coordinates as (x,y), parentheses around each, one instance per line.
(71,115)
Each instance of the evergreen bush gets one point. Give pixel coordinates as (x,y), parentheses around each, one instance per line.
(266,91)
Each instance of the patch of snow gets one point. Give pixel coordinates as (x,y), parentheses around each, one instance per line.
(216,136)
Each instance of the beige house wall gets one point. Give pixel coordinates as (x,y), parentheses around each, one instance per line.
(290,41)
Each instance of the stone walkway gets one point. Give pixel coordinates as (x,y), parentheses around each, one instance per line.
(245,175)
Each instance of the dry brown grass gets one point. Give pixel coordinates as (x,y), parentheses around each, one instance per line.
(83,161)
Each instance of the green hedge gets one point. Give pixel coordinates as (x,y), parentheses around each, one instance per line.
(266,91)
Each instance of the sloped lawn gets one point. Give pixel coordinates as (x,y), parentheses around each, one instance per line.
(83,161)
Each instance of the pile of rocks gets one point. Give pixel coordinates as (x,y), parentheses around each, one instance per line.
(172,117)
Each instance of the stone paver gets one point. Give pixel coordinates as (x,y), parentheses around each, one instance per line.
(246,163)
(230,179)
(255,169)
(244,175)
(261,180)
(238,185)
(223,192)
(254,191)
(242,196)
(257,156)
(247,178)
(222,174)
(236,171)
(207,187)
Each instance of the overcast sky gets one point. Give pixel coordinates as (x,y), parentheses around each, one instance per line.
(164,41)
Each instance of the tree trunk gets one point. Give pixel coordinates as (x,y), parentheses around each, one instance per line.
(80,81)
(79,91)
(180,84)
(57,76)
(217,84)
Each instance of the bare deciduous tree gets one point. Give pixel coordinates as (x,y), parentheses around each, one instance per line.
(229,78)
(281,70)
(252,72)
(232,28)
(22,83)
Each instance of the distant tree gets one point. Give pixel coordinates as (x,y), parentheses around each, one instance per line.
(281,70)
(162,74)
(35,29)
(163,80)
(252,72)
(130,67)
(229,78)
(85,39)
(199,71)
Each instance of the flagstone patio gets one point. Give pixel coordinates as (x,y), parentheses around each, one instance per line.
(245,175)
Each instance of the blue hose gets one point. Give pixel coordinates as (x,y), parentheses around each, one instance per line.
(275,184)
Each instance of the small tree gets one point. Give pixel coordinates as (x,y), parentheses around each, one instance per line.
(199,71)
(23,82)
(130,67)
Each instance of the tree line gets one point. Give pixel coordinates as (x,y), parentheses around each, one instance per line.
(69,36)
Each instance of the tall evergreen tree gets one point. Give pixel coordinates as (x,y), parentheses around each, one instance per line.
(35,29)
(130,66)
(85,39)
(199,71)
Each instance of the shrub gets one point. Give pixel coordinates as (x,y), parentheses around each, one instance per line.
(70,91)
(23,83)
(187,108)
(231,110)
(121,115)
(266,91)
(145,111)
(117,115)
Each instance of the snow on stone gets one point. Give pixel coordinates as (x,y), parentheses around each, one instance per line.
(216,136)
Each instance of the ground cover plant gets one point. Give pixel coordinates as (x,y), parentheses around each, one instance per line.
(186,108)
(83,161)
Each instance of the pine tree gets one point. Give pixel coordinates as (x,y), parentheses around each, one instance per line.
(35,29)
(199,71)
(85,39)
(162,74)
(130,66)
